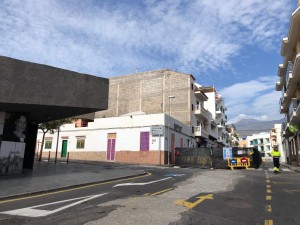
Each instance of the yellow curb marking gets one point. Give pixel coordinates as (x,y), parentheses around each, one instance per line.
(73,189)
(191,205)
(268,222)
(268,197)
(159,192)
(268,208)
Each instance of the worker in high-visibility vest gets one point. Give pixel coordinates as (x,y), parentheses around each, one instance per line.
(276,158)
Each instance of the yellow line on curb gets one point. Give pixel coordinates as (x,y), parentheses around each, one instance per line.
(73,189)
(160,192)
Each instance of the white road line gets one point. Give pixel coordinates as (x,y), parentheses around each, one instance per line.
(138,184)
(33,212)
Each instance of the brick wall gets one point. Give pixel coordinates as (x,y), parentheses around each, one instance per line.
(134,157)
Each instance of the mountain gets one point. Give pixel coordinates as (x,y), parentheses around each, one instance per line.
(247,127)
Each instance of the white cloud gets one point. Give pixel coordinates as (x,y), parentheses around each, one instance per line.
(257,98)
(106,38)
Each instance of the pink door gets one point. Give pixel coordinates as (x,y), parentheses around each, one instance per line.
(110,151)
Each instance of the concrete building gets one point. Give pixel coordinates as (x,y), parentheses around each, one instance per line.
(288,84)
(30,94)
(216,105)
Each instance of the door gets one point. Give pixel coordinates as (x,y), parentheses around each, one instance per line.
(111,147)
(173,147)
(64,148)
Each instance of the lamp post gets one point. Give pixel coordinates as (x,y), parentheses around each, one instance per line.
(169,133)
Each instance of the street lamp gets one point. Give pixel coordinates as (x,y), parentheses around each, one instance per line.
(169,133)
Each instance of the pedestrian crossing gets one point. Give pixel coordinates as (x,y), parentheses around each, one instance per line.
(283,169)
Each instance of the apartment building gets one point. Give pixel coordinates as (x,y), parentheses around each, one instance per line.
(262,142)
(135,99)
(216,105)
(288,84)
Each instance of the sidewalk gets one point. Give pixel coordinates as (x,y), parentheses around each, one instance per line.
(49,177)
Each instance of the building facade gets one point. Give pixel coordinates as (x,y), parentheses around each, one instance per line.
(260,141)
(162,92)
(288,84)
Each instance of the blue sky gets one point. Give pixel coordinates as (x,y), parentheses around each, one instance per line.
(233,45)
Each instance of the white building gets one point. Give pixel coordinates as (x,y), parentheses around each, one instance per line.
(262,142)
(121,139)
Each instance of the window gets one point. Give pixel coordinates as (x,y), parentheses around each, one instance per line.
(48,144)
(192,107)
(192,86)
(80,143)
(144,141)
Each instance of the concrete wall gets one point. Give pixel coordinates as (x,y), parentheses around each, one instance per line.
(31,87)
(148,92)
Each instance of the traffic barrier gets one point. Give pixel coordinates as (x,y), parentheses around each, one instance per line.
(239,162)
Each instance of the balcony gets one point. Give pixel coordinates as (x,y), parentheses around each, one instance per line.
(201,132)
(293,77)
(220,125)
(200,111)
(284,104)
(294,111)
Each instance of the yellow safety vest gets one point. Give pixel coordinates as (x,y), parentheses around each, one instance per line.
(276,153)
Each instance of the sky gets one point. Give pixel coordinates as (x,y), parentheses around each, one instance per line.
(232,45)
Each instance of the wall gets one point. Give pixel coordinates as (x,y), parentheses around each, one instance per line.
(127,129)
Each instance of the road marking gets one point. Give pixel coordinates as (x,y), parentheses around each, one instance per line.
(287,170)
(291,191)
(269,197)
(191,205)
(159,192)
(267,177)
(278,182)
(269,191)
(268,186)
(139,184)
(268,181)
(268,208)
(33,212)
(73,189)
(268,222)
(174,174)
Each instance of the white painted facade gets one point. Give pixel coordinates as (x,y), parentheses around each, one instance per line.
(127,129)
(261,141)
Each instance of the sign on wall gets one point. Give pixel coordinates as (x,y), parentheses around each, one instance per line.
(157,130)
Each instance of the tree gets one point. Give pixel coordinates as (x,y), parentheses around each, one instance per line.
(51,126)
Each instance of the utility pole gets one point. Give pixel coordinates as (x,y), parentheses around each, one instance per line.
(169,132)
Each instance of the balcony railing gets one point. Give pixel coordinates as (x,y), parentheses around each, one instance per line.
(199,110)
(200,131)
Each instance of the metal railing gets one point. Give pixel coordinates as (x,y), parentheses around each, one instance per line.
(289,71)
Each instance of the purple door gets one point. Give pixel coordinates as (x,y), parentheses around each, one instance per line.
(110,152)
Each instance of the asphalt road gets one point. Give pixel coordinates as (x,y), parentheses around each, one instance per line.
(169,196)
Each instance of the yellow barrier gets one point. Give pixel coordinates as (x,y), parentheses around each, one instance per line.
(239,162)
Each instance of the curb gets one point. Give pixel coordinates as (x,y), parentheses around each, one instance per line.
(29,194)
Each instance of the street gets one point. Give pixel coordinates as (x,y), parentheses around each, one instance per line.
(168,196)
